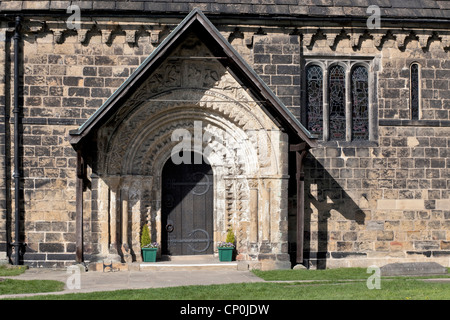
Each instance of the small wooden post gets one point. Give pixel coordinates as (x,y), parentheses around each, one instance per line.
(79,206)
(300,150)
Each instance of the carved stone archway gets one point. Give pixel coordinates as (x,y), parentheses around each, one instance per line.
(238,143)
(194,85)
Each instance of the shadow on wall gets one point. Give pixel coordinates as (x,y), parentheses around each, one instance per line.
(326,203)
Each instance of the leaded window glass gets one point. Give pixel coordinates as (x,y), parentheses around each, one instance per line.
(336,89)
(360,103)
(314,77)
(414,91)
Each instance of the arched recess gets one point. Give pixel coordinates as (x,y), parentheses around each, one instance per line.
(240,143)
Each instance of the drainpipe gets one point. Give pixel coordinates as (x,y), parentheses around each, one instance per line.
(16,111)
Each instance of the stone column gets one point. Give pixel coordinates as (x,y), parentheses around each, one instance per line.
(265,204)
(114,189)
(124,219)
(103,213)
(139,204)
(155,211)
(253,207)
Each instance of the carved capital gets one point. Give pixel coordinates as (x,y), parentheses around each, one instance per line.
(401,37)
(308,35)
(82,35)
(377,38)
(130,36)
(107,33)
(423,39)
(113,182)
(248,39)
(58,34)
(331,37)
(445,40)
(354,38)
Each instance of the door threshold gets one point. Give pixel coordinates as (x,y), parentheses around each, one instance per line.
(197,257)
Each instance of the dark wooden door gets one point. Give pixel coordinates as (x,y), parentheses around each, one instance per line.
(187,209)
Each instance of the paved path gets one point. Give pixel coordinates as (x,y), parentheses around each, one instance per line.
(107,281)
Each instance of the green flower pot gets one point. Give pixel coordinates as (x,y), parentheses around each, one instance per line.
(226,254)
(149,254)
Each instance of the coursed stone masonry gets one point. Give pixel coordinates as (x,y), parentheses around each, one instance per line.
(382,201)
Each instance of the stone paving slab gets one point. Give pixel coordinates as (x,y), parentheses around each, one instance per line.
(413,269)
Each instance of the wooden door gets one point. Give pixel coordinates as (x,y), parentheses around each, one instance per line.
(187,209)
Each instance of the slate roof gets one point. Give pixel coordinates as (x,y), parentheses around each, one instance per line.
(425,9)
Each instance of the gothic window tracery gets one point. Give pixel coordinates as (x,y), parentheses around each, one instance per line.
(314,76)
(338,100)
(360,103)
(336,88)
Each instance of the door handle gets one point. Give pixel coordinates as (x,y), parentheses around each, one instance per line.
(169,228)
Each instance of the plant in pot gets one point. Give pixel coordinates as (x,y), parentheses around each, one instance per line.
(149,248)
(226,249)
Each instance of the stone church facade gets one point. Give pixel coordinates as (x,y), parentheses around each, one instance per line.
(316,137)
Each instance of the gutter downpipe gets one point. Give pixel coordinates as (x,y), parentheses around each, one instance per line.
(16,111)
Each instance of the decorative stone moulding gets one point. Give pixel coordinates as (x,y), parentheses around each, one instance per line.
(309,34)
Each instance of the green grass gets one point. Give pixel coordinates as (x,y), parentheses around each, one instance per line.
(327,274)
(8,270)
(395,289)
(330,284)
(14,286)
(303,274)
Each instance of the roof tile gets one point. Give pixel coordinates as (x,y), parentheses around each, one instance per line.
(391,8)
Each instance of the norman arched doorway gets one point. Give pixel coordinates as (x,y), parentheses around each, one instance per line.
(187,208)
(246,134)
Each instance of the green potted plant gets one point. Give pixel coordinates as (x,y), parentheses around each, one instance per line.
(226,249)
(149,248)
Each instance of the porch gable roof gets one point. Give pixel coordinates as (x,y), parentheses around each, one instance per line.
(270,103)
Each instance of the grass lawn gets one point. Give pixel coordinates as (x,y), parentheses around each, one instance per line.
(395,289)
(333,284)
(14,286)
(8,270)
(327,274)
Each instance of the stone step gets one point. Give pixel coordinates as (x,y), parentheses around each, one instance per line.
(186,263)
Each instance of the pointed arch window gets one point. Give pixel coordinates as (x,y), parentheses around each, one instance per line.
(360,103)
(337,103)
(314,83)
(414,91)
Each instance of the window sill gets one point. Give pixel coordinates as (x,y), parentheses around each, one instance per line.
(414,123)
(337,144)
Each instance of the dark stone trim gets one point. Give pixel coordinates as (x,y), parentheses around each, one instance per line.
(342,255)
(414,123)
(355,144)
(425,253)
(34,256)
(61,256)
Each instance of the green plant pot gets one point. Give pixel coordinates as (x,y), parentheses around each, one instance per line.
(226,254)
(149,254)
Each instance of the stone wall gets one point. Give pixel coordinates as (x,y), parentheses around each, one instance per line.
(385,200)
(64,82)
(4,87)
(366,203)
